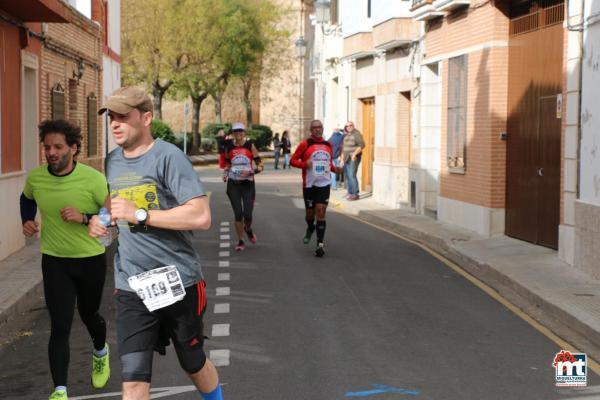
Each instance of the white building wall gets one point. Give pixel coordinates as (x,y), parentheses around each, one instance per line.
(587,208)
(11,238)
(427,176)
(111,76)
(590,113)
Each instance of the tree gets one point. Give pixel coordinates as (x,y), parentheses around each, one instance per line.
(149,53)
(274,41)
(221,42)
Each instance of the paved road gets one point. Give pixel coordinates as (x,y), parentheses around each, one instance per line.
(376,318)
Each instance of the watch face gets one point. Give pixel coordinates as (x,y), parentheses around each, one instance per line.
(141,215)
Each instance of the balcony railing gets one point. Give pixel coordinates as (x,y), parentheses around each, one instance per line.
(420,3)
(538,19)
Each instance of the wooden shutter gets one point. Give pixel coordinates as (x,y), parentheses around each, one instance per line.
(92,125)
(58,102)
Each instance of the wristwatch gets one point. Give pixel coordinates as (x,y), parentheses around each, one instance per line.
(141,215)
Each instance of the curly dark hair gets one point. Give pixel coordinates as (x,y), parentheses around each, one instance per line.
(71,131)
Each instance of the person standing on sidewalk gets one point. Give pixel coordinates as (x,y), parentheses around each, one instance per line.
(156,200)
(315,157)
(286,148)
(240,156)
(336,139)
(276,149)
(73,264)
(352,148)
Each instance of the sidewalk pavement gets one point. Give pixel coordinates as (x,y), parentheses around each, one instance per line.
(533,278)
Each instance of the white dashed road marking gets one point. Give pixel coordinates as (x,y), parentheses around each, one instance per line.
(220,358)
(223,291)
(220,330)
(222,308)
(224,276)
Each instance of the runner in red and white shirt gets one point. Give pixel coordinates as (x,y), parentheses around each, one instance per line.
(315,157)
(242,162)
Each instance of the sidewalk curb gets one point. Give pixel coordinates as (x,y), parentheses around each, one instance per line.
(551,315)
(24,271)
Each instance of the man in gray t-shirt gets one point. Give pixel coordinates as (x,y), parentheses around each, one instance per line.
(156,200)
(161,178)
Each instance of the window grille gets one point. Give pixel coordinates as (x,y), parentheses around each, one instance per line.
(457,113)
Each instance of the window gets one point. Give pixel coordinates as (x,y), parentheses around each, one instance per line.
(457,114)
(368,8)
(58,102)
(73,86)
(92,125)
(334,12)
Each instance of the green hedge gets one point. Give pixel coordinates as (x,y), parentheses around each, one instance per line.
(211,130)
(208,144)
(260,134)
(160,130)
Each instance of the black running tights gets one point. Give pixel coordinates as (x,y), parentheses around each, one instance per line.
(241,195)
(68,281)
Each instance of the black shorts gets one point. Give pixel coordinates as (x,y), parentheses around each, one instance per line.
(316,195)
(181,323)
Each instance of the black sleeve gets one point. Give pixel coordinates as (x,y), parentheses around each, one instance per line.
(221,144)
(28,208)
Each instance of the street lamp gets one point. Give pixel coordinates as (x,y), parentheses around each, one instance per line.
(300,47)
(300,54)
(323,11)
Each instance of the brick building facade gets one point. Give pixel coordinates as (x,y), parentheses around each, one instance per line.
(71,81)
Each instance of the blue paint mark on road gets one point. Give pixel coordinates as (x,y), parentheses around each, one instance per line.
(380,389)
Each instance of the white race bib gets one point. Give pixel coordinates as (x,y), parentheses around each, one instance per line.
(159,287)
(320,168)
(241,170)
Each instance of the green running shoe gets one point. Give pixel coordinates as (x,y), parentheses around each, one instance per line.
(100,370)
(59,395)
(307,236)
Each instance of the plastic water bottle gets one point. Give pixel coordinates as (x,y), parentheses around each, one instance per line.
(104,216)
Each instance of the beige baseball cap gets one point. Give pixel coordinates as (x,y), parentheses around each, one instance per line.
(126,99)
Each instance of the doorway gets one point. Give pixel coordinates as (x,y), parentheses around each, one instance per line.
(29,113)
(534,122)
(368,131)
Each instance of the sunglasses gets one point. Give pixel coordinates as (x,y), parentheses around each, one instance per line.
(238,130)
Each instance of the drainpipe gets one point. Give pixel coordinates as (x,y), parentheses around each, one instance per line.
(580,27)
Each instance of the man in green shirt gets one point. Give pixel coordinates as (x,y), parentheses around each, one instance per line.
(67,193)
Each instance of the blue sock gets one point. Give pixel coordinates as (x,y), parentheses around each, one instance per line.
(214,395)
(61,388)
(101,353)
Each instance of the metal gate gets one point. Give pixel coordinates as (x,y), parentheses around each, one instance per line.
(534,122)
